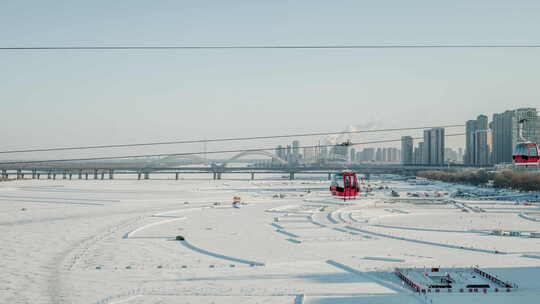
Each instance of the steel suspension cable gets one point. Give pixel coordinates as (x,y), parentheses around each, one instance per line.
(221,139)
(201,153)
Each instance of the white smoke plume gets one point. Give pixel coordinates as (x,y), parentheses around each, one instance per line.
(340,138)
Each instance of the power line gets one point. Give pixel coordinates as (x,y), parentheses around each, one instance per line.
(202,152)
(220,139)
(255,47)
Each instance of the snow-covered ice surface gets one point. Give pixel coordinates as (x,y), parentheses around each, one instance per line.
(114,241)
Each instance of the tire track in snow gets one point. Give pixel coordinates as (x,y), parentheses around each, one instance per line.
(131,233)
(424,242)
(219,256)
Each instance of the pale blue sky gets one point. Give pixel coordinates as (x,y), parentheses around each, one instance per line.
(53,98)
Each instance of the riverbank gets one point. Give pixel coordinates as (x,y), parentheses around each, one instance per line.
(521,181)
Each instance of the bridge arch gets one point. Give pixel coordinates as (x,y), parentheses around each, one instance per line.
(256,153)
(175,160)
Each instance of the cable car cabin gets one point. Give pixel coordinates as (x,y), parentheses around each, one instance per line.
(345,184)
(526,154)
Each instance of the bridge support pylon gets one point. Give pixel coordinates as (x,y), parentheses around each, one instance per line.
(176,176)
(291,176)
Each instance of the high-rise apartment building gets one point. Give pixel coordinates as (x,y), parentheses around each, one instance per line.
(470,144)
(503,136)
(407,150)
(481,147)
(477,142)
(419,154)
(280,152)
(368,154)
(433,152)
(396,155)
(289,153)
(296,150)
(379,155)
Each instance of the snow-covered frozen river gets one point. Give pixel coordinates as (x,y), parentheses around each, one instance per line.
(114,241)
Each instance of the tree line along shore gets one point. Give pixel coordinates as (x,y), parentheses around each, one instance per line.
(522,181)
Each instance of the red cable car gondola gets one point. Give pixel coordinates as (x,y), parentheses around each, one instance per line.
(525,153)
(345,185)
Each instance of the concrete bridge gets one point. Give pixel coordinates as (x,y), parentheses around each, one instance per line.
(109,170)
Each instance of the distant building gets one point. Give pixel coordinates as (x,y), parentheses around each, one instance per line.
(477,142)
(323,153)
(481,146)
(433,152)
(309,154)
(451,155)
(339,153)
(352,157)
(394,155)
(382,154)
(280,152)
(470,144)
(296,149)
(407,150)
(289,153)
(368,155)
(416,155)
(502,130)
(379,155)
(359,156)
(419,154)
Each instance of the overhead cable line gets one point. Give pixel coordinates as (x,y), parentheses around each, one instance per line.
(255,47)
(201,153)
(220,139)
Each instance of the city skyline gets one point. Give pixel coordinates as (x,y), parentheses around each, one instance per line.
(493,141)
